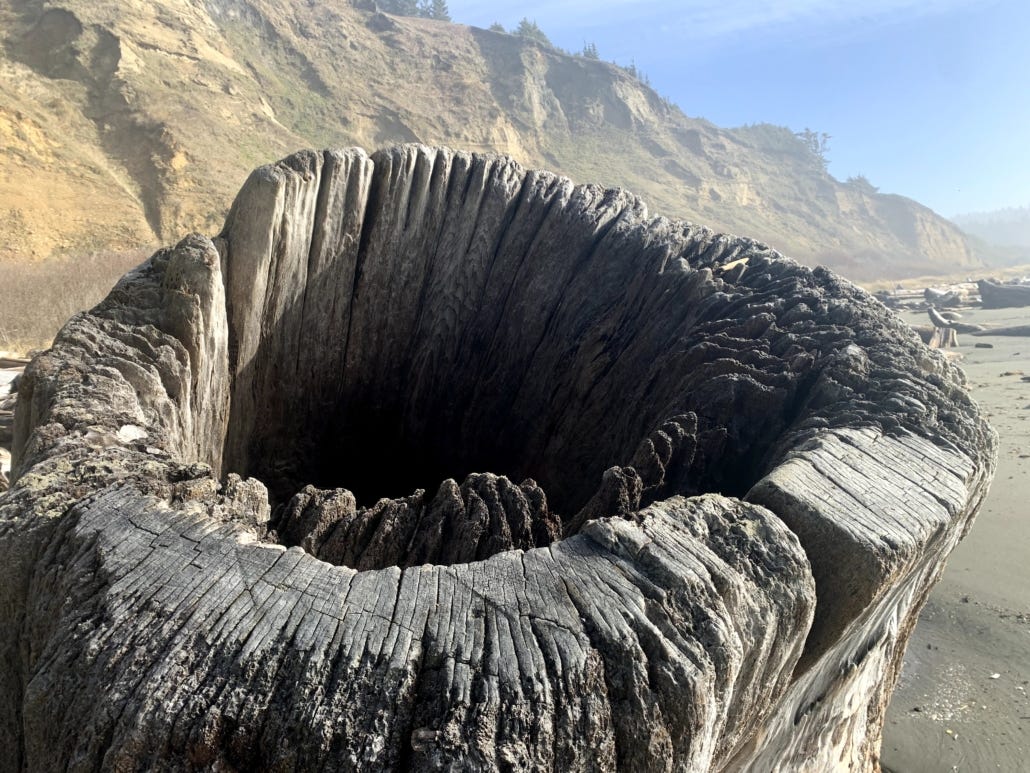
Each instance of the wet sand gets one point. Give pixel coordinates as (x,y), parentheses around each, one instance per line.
(963,701)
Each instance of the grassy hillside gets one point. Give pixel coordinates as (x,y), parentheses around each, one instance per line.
(130,123)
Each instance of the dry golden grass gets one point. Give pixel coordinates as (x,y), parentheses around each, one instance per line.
(960,276)
(37,297)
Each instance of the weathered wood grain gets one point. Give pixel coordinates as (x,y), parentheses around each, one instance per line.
(737,487)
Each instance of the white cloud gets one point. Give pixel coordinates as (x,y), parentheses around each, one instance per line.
(707,19)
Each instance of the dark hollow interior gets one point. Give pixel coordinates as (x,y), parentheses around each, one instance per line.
(532,330)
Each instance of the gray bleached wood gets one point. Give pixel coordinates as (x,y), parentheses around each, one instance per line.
(737,488)
(994,295)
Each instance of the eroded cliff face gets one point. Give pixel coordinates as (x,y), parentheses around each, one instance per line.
(135,121)
(428,460)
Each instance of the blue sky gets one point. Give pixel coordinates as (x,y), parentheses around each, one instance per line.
(927,98)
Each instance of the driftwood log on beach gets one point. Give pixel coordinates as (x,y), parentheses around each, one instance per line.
(1009,330)
(943,298)
(429,461)
(994,295)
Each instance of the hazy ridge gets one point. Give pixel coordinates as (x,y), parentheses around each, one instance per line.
(1001,237)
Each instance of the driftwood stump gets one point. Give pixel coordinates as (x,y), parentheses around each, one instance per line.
(943,338)
(945,330)
(430,461)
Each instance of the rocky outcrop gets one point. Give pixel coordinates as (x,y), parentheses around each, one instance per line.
(430,461)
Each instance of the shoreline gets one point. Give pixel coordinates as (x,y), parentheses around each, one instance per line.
(963,700)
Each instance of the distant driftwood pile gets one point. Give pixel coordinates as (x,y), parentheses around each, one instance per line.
(430,461)
(985,293)
(944,327)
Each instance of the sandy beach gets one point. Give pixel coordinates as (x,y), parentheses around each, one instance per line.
(962,703)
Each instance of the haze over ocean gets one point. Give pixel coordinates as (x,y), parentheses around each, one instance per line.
(926,98)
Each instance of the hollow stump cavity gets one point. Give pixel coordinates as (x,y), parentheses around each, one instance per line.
(431,461)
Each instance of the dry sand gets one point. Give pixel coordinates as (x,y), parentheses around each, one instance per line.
(963,702)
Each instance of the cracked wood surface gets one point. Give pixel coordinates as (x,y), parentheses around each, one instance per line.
(562,656)
(737,488)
